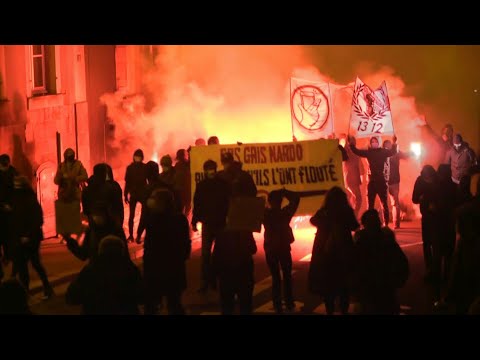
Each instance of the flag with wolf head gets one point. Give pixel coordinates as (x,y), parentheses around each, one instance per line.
(371,114)
(311,109)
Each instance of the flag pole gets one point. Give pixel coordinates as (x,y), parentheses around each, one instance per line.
(291,110)
(350,120)
(388,99)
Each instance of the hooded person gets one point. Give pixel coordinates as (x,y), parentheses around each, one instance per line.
(392,170)
(234,249)
(110,284)
(70,177)
(166,249)
(155,181)
(426,194)
(461,159)
(168,171)
(26,230)
(379,267)
(134,192)
(101,224)
(210,207)
(182,181)
(7,174)
(377,185)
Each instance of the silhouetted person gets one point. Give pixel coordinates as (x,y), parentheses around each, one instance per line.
(155,182)
(240,182)
(26,225)
(200,142)
(445,222)
(182,181)
(13,298)
(213,140)
(118,211)
(461,158)
(277,239)
(101,224)
(110,284)
(425,193)
(379,267)
(135,183)
(210,207)
(168,171)
(69,177)
(331,253)
(166,249)
(354,171)
(393,173)
(377,184)
(103,191)
(464,286)
(234,250)
(7,174)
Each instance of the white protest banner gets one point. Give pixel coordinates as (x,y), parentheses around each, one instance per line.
(311,109)
(371,114)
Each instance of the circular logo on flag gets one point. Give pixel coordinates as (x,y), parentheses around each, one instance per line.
(310,107)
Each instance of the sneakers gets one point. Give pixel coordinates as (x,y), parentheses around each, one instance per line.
(397,226)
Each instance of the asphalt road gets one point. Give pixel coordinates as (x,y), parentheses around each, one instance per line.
(414,297)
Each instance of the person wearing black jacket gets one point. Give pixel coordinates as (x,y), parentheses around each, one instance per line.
(379,267)
(210,207)
(166,249)
(118,211)
(135,183)
(155,181)
(278,237)
(377,185)
(26,230)
(110,284)
(233,251)
(393,174)
(101,224)
(101,190)
(7,174)
(426,193)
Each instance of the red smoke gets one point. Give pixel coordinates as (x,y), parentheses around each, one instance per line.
(239,93)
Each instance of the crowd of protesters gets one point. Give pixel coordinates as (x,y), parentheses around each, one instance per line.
(354,255)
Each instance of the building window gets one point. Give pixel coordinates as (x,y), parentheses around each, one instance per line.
(44,79)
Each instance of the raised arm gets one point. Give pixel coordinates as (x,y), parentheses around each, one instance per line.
(358,152)
(293,202)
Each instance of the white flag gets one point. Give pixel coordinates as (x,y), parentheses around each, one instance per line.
(311,109)
(371,114)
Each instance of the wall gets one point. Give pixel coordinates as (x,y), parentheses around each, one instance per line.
(100,79)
